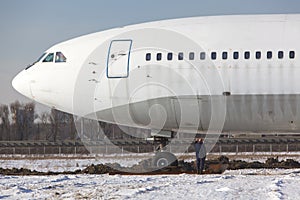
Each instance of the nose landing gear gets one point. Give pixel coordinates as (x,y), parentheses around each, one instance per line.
(162,157)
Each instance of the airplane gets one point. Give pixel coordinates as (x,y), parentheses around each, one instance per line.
(209,74)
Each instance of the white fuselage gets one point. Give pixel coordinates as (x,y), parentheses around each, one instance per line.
(237,72)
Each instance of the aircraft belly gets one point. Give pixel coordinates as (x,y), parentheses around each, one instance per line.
(259,113)
(248,113)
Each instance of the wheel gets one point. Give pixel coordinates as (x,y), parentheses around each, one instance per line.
(164,159)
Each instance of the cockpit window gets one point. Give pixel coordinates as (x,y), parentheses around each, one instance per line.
(49,58)
(60,57)
(40,58)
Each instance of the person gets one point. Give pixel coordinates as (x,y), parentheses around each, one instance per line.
(200,154)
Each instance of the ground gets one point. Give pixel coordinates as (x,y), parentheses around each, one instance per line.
(240,184)
(236,184)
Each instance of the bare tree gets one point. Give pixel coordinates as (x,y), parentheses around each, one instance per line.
(29,117)
(15,115)
(54,120)
(46,130)
(5,124)
(14,107)
(22,119)
(72,131)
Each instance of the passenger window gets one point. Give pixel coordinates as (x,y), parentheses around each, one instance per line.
(213,55)
(192,56)
(170,56)
(148,56)
(224,55)
(247,55)
(158,56)
(49,58)
(202,56)
(292,54)
(180,56)
(280,54)
(235,55)
(60,57)
(269,54)
(258,55)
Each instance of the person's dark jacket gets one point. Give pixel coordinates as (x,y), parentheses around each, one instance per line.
(200,147)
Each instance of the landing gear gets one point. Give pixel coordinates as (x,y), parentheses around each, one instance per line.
(162,157)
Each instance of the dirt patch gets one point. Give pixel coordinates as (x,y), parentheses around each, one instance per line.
(271,163)
(214,166)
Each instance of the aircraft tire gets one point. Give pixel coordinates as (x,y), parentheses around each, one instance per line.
(164,159)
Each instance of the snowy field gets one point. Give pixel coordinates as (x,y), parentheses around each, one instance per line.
(239,184)
(61,163)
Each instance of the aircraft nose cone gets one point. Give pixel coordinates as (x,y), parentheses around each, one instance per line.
(21,84)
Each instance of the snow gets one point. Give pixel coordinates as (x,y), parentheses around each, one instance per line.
(63,163)
(60,163)
(232,184)
(239,184)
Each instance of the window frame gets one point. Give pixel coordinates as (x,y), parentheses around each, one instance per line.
(158,56)
(292,55)
(191,56)
(59,61)
(41,57)
(202,55)
(256,55)
(269,55)
(170,56)
(236,55)
(148,57)
(52,60)
(280,55)
(213,55)
(180,56)
(247,55)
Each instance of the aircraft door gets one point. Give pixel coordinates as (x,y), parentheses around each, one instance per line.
(118,59)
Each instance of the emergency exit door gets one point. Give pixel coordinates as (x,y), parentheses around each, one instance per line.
(118,59)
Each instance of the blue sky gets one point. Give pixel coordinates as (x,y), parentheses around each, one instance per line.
(27,28)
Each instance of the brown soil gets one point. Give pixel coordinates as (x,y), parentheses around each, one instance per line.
(215,166)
